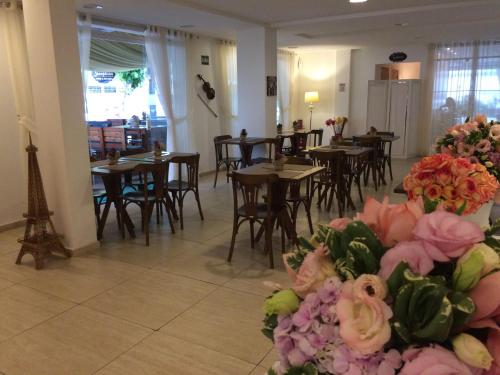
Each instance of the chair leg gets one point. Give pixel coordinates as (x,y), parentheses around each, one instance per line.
(282,238)
(307,206)
(269,240)
(157,212)
(233,239)
(169,215)
(145,222)
(216,174)
(389,163)
(252,234)
(181,204)
(197,196)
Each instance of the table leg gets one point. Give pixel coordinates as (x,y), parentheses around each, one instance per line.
(246,154)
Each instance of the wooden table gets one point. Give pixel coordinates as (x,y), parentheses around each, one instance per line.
(112,178)
(290,173)
(246,147)
(384,138)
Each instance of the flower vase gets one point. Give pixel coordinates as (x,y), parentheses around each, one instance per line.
(481,216)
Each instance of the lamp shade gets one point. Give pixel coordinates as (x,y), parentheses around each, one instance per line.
(311,97)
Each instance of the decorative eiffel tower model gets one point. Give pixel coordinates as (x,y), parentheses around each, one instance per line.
(40,238)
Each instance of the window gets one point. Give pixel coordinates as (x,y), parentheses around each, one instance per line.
(466,82)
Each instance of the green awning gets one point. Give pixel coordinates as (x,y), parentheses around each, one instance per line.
(111,56)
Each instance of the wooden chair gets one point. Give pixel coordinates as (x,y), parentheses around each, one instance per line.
(223,158)
(330,182)
(375,163)
(254,209)
(99,196)
(295,198)
(147,199)
(387,152)
(317,137)
(299,143)
(179,187)
(272,146)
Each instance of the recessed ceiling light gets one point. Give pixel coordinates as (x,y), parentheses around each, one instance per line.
(358,1)
(186,26)
(401,24)
(93,6)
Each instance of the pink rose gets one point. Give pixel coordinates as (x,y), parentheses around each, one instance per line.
(315,269)
(364,320)
(483,146)
(392,223)
(495,132)
(411,252)
(465,149)
(340,224)
(433,361)
(448,234)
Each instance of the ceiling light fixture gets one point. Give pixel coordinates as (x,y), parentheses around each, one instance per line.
(93,6)
(358,1)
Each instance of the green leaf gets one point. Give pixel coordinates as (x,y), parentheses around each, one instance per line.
(430,205)
(307,369)
(397,279)
(401,302)
(402,331)
(306,244)
(271,372)
(359,231)
(463,308)
(461,209)
(439,327)
(270,323)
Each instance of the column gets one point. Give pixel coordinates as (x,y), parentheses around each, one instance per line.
(53,55)
(257,59)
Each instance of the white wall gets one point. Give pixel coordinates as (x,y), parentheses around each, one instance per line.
(13,187)
(363,62)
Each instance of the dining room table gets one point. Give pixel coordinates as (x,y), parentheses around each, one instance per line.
(112,173)
(290,173)
(246,145)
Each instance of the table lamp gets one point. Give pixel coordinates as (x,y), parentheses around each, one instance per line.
(310,98)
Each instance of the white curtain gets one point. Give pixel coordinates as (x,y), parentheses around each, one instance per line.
(159,66)
(84,41)
(466,82)
(227,85)
(286,80)
(12,28)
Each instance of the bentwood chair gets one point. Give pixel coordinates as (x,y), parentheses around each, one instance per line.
(375,163)
(222,157)
(99,196)
(330,182)
(180,187)
(273,145)
(254,209)
(299,143)
(148,199)
(295,197)
(317,137)
(387,152)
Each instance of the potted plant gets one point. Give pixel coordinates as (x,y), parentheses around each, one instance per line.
(338,125)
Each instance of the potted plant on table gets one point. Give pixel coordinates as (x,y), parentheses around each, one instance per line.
(158,149)
(279,161)
(338,124)
(279,128)
(113,156)
(243,134)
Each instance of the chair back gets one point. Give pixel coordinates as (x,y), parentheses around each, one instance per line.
(273,146)
(191,163)
(153,174)
(317,135)
(374,142)
(333,161)
(250,187)
(299,142)
(297,160)
(218,147)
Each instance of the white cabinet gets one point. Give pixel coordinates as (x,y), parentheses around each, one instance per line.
(394,106)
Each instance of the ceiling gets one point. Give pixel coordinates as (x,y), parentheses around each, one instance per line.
(332,23)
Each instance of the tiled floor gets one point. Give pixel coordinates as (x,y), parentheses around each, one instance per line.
(175,307)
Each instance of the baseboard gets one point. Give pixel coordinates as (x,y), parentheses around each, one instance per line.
(13,225)
(86,249)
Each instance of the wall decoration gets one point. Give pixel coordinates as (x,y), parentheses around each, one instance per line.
(205,60)
(398,57)
(272,86)
(341,87)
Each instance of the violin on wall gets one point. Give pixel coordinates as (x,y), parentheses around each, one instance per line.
(207,88)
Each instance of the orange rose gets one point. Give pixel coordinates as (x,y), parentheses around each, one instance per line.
(433,191)
(467,188)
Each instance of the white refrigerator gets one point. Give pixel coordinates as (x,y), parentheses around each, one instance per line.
(394,106)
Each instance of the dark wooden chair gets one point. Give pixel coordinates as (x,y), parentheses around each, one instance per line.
(299,143)
(272,145)
(222,157)
(147,199)
(180,187)
(330,182)
(295,197)
(375,162)
(387,152)
(317,137)
(99,196)
(254,209)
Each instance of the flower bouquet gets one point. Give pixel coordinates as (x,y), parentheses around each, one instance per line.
(477,140)
(338,125)
(396,290)
(456,184)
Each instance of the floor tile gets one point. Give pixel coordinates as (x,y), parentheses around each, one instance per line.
(22,308)
(161,354)
(77,342)
(151,299)
(226,321)
(259,370)
(270,358)
(80,278)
